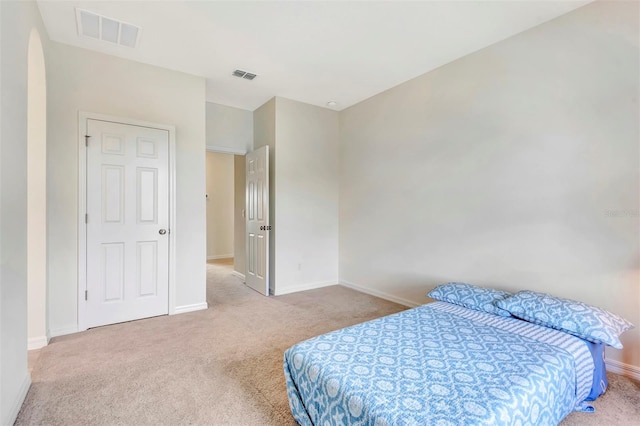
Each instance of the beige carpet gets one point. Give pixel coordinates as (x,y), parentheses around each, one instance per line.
(222,366)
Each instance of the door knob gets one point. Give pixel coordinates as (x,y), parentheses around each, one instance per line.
(162,231)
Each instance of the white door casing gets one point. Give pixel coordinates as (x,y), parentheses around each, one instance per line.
(257,220)
(127,248)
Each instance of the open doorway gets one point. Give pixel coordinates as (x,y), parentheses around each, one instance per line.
(225,188)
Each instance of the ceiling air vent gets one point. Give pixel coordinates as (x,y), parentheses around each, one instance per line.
(100,27)
(244,74)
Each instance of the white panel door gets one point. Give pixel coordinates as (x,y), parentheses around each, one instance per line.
(257,217)
(127,223)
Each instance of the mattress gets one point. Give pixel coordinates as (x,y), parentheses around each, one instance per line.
(439,364)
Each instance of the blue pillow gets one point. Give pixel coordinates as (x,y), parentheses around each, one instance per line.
(470,296)
(577,318)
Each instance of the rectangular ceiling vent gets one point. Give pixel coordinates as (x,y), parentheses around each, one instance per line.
(93,25)
(244,74)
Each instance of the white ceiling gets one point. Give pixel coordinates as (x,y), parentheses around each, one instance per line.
(309,51)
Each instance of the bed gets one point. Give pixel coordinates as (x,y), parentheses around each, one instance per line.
(442,364)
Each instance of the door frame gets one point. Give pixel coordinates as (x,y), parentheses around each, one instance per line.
(83,116)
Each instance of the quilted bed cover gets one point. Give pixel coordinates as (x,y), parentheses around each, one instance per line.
(438,364)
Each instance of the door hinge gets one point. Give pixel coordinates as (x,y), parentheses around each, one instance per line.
(86,140)
(86,295)
(86,218)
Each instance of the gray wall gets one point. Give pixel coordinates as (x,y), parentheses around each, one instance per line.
(229,129)
(17,21)
(307,196)
(304,144)
(516,167)
(82,80)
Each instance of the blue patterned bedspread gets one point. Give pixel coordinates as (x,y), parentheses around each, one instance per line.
(438,364)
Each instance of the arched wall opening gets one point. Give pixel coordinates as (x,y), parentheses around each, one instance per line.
(36,194)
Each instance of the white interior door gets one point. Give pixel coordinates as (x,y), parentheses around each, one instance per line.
(127,223)
(257,216)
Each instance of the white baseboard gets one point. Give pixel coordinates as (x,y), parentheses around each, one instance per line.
(380,294)
(239,275)
(303,287)
(191,308)
(62,331)
(623,369)
(37,342)
(14,409)
(220,256)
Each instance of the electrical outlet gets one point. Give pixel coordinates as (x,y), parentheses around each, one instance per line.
(299,266)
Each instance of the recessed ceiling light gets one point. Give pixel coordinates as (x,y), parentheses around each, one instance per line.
(332,104)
